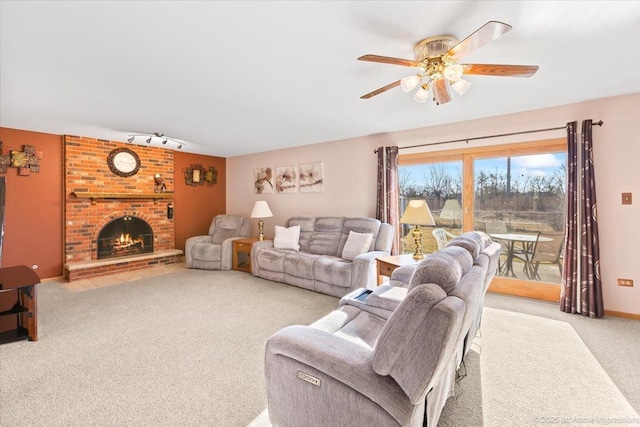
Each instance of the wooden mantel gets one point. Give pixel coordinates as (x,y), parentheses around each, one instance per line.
(130,196)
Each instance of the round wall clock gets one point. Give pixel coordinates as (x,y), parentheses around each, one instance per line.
(123,162)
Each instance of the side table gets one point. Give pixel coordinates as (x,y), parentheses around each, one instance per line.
(21,280)
(386,264)
(243,246)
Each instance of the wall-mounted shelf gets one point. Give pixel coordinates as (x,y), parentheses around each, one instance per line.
(131,196)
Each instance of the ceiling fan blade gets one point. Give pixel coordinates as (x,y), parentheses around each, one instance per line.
(382,89)
(488,32)
(390,60)
(500,70)
(441,91)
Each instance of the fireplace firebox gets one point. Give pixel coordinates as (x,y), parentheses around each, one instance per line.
(127,235)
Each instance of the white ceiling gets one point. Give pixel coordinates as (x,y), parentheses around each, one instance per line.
(233,78)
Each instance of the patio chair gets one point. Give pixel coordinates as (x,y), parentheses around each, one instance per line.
(547,252)
(442,237)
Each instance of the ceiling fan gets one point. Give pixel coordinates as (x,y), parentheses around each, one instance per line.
(436,59)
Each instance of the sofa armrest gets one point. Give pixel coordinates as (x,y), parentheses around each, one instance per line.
(226,253)
(380,302)
(338,358)
(257,246)
(401,276)
(188,246)
(364,274)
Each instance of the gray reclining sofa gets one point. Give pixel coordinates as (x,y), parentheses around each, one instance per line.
(387,357)
(319,265)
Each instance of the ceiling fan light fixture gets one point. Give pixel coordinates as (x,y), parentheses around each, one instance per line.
(410,82)
(453,72)
(422,95)
(461,86)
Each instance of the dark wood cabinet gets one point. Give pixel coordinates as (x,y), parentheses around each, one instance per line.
(19,286)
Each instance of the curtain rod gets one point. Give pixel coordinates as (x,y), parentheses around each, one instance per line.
(598,123)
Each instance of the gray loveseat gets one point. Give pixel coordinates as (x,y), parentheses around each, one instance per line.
(385,358)
(318,264)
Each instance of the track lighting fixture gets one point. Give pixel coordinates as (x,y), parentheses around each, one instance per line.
(150,137)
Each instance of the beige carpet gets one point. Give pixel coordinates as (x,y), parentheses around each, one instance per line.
(187,349)
(538,371)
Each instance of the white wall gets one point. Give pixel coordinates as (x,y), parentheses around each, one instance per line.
(350,177)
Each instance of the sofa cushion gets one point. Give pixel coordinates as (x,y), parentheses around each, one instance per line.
(326,236)
(444,268)
(307,225)
(357,244)
(300,264)
(472,242)
(334,270)
(205,251)
(221,234)
(359,225)
(287,238)
(272,259)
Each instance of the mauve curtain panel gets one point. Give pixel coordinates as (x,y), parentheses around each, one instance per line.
(387,193)
(581,289)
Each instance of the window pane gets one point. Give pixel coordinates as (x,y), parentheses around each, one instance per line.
(440,184)
(520,202)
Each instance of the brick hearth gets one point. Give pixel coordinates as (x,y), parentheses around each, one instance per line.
(86,171)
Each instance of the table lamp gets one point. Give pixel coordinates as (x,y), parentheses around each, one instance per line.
(417,213)
(451,210)
(261,210)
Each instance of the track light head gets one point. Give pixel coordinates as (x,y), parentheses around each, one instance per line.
(180,147)
(149,140)
(130,139)
(164,141)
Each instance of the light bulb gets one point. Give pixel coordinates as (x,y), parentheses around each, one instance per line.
(410,82)
(461,86)
(453,72)
(422,95)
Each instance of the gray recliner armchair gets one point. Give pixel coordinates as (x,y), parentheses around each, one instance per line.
(214,251)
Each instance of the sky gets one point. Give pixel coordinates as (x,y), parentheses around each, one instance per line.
(525,166)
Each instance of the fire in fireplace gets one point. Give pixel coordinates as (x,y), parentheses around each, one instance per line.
(127,235)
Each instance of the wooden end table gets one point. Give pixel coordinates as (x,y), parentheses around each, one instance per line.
(386,264)
(243,246)
(23,280)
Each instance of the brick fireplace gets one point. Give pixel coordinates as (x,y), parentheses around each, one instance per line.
(96,198)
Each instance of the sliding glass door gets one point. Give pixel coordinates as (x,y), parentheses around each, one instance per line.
(515,193)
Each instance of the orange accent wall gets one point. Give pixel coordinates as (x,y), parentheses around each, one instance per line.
(33,215)
(194,207)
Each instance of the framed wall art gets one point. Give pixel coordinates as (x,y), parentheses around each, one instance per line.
(263,180)
(311,178)
(286,179)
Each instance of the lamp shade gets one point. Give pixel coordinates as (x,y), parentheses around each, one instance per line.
(417,213)
(261,210)
(451,210)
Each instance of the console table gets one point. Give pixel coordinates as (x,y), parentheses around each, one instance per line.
(20,280)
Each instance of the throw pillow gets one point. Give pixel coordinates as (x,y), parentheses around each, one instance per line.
(287,238)
(357,244)
(221,234)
